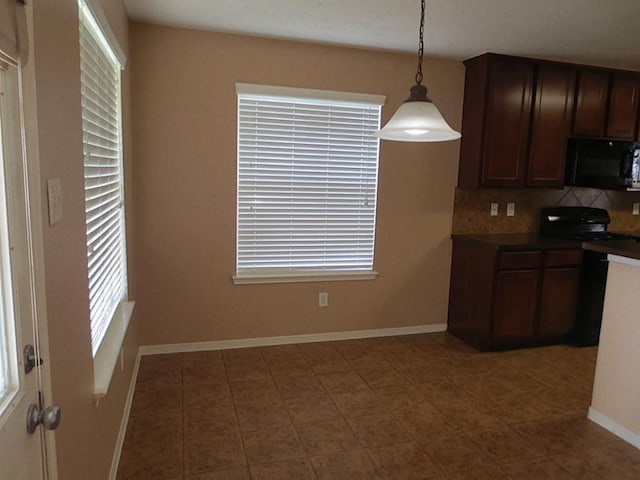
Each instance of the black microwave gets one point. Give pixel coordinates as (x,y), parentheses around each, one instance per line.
(605,164)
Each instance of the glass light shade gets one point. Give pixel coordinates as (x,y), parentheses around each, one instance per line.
(417,121)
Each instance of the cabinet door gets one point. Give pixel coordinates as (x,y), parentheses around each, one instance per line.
(623,106)
(552,113)
(559,301)
(515,305)
(507,120)
(591,103)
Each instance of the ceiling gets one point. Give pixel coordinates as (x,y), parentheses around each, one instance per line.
(598,32)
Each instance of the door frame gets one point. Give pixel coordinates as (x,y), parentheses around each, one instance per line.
(36,218)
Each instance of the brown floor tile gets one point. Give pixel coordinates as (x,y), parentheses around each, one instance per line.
(311,409)
(514,409)
(425,406)
(490,473)
(206,453)
(242,355)
(155,399)
(541,469)
(160,369)
(203,367)
(469,416)
(353,404)
(382,377)
(148,455)
(299,385)
(456,453)
(425,422)
(271,445)
(378,430)
(255,390)
(444,392)
(400,397)
(247,371)
(504,445)
(234,474)
(329,364)
(327,437)
(584,467)
(212,418)
(257,415)
(352,465)
(341,382)
(204,395)
(296,469)
(405,461)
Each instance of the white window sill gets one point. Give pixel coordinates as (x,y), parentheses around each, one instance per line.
(106,357)
(250,279)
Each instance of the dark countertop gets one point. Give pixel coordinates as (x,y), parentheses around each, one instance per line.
(623,248)
(533,241)
(517,241)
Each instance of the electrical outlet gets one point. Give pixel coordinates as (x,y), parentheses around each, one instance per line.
(636,208)
(494,209)
(511,209)
(323,299)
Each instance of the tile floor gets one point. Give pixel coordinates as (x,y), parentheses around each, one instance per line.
(415,407)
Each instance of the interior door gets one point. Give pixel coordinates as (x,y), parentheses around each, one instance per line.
(22,454)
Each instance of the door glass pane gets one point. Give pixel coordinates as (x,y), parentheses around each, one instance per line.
(9,380)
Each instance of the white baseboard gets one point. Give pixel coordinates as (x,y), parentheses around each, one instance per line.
(290,339)
(614,427)
(125,420)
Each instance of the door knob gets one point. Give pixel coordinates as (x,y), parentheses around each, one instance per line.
(48,417)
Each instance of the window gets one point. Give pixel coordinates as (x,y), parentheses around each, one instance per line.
(102,149)
(307,184)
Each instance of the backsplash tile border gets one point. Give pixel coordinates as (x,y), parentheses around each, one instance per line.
(472,206)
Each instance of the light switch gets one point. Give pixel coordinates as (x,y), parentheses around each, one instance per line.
(54,193)
(511,209)
(636,208)
(494,209)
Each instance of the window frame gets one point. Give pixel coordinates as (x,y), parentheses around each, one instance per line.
(305,97)
(107,350)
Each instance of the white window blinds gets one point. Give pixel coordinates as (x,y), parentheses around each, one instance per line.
(307,180)
(100,78)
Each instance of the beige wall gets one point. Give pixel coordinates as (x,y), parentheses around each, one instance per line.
(87,434)
(184,111)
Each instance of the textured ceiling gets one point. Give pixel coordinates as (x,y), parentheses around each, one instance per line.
(599,32)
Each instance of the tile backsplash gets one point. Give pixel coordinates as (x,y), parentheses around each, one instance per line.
(472,207)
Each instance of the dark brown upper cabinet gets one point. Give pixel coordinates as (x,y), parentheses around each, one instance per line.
(607,104)
(518,114)
(497,111)
(550,125)
(516,121)
(591,103)
(622,121)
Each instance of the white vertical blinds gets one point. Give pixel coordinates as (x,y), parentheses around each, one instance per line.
(100,79)
(307,181)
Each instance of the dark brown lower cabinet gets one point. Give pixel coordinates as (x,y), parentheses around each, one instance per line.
(502,299)
(515,305)
(559,301)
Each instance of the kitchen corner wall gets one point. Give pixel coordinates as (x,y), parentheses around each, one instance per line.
(184,112)
(86,437)
(472,207)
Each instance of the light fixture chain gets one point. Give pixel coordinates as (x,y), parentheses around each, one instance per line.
(421,45)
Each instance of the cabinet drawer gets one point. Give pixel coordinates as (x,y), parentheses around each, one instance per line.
(519,260)
(561,258)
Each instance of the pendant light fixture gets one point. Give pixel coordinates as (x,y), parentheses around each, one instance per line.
(418,119)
